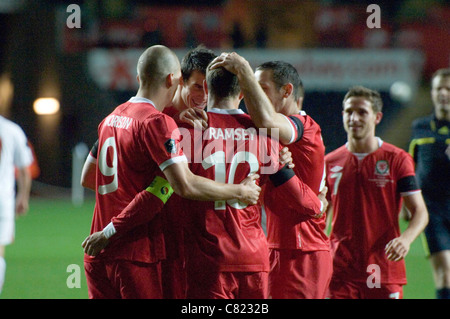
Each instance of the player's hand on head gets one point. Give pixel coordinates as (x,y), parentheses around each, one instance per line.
(218,61)
(232,62)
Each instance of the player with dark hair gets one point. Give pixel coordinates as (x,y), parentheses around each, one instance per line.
(191,94)
(368,180)
(430,148)
(189,97)
(299,249)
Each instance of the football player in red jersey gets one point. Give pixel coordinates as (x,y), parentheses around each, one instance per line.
(136,143)
(189,96)
(191,93)
(368,180)
(299,249)
(227,253)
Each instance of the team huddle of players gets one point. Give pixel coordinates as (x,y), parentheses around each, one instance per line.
(170,223)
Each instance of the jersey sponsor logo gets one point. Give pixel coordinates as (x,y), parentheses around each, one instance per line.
(336,169)
(171,146)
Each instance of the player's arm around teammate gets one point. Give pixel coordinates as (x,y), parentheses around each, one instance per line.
(187,185)
(264,115)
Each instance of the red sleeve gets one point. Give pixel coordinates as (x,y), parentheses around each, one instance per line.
(293,194)
(404,165)
(141,210)
(405,177)
(162,139)
(144,207)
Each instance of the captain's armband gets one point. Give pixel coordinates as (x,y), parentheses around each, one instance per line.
(160,188)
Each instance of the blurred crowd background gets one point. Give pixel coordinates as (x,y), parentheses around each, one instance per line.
(91,68)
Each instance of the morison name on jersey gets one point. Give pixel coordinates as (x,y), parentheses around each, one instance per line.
(118,121)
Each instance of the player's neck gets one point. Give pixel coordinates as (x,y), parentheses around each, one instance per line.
(224,104)
(365,145)
(178,102)
(290,109)
(158,99)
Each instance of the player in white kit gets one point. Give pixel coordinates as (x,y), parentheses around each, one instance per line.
(14,154)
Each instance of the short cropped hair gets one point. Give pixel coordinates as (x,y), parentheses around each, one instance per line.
(372,96)
(284,73)
(222,83)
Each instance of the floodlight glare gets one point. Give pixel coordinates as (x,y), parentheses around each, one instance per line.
(47,105)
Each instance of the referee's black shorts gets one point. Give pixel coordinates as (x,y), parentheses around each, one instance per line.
(437,231)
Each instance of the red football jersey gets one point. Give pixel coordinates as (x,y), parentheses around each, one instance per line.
(366,196)
(228,236)
(170,110)
(284,229)
(136,142)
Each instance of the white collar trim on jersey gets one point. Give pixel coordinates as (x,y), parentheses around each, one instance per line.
(360,156)
(138,99)
(226,111)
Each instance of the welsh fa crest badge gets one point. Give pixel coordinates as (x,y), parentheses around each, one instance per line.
(382,168)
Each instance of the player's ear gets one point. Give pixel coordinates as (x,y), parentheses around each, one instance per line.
(137,78)
(205,87)
(288,90)
(169,80)
(378,118)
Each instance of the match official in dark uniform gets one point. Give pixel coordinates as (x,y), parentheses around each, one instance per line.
(430,148)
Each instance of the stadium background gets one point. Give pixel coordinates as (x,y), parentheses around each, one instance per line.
(91,69)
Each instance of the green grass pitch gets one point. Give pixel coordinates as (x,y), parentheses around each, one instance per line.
(48,241)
